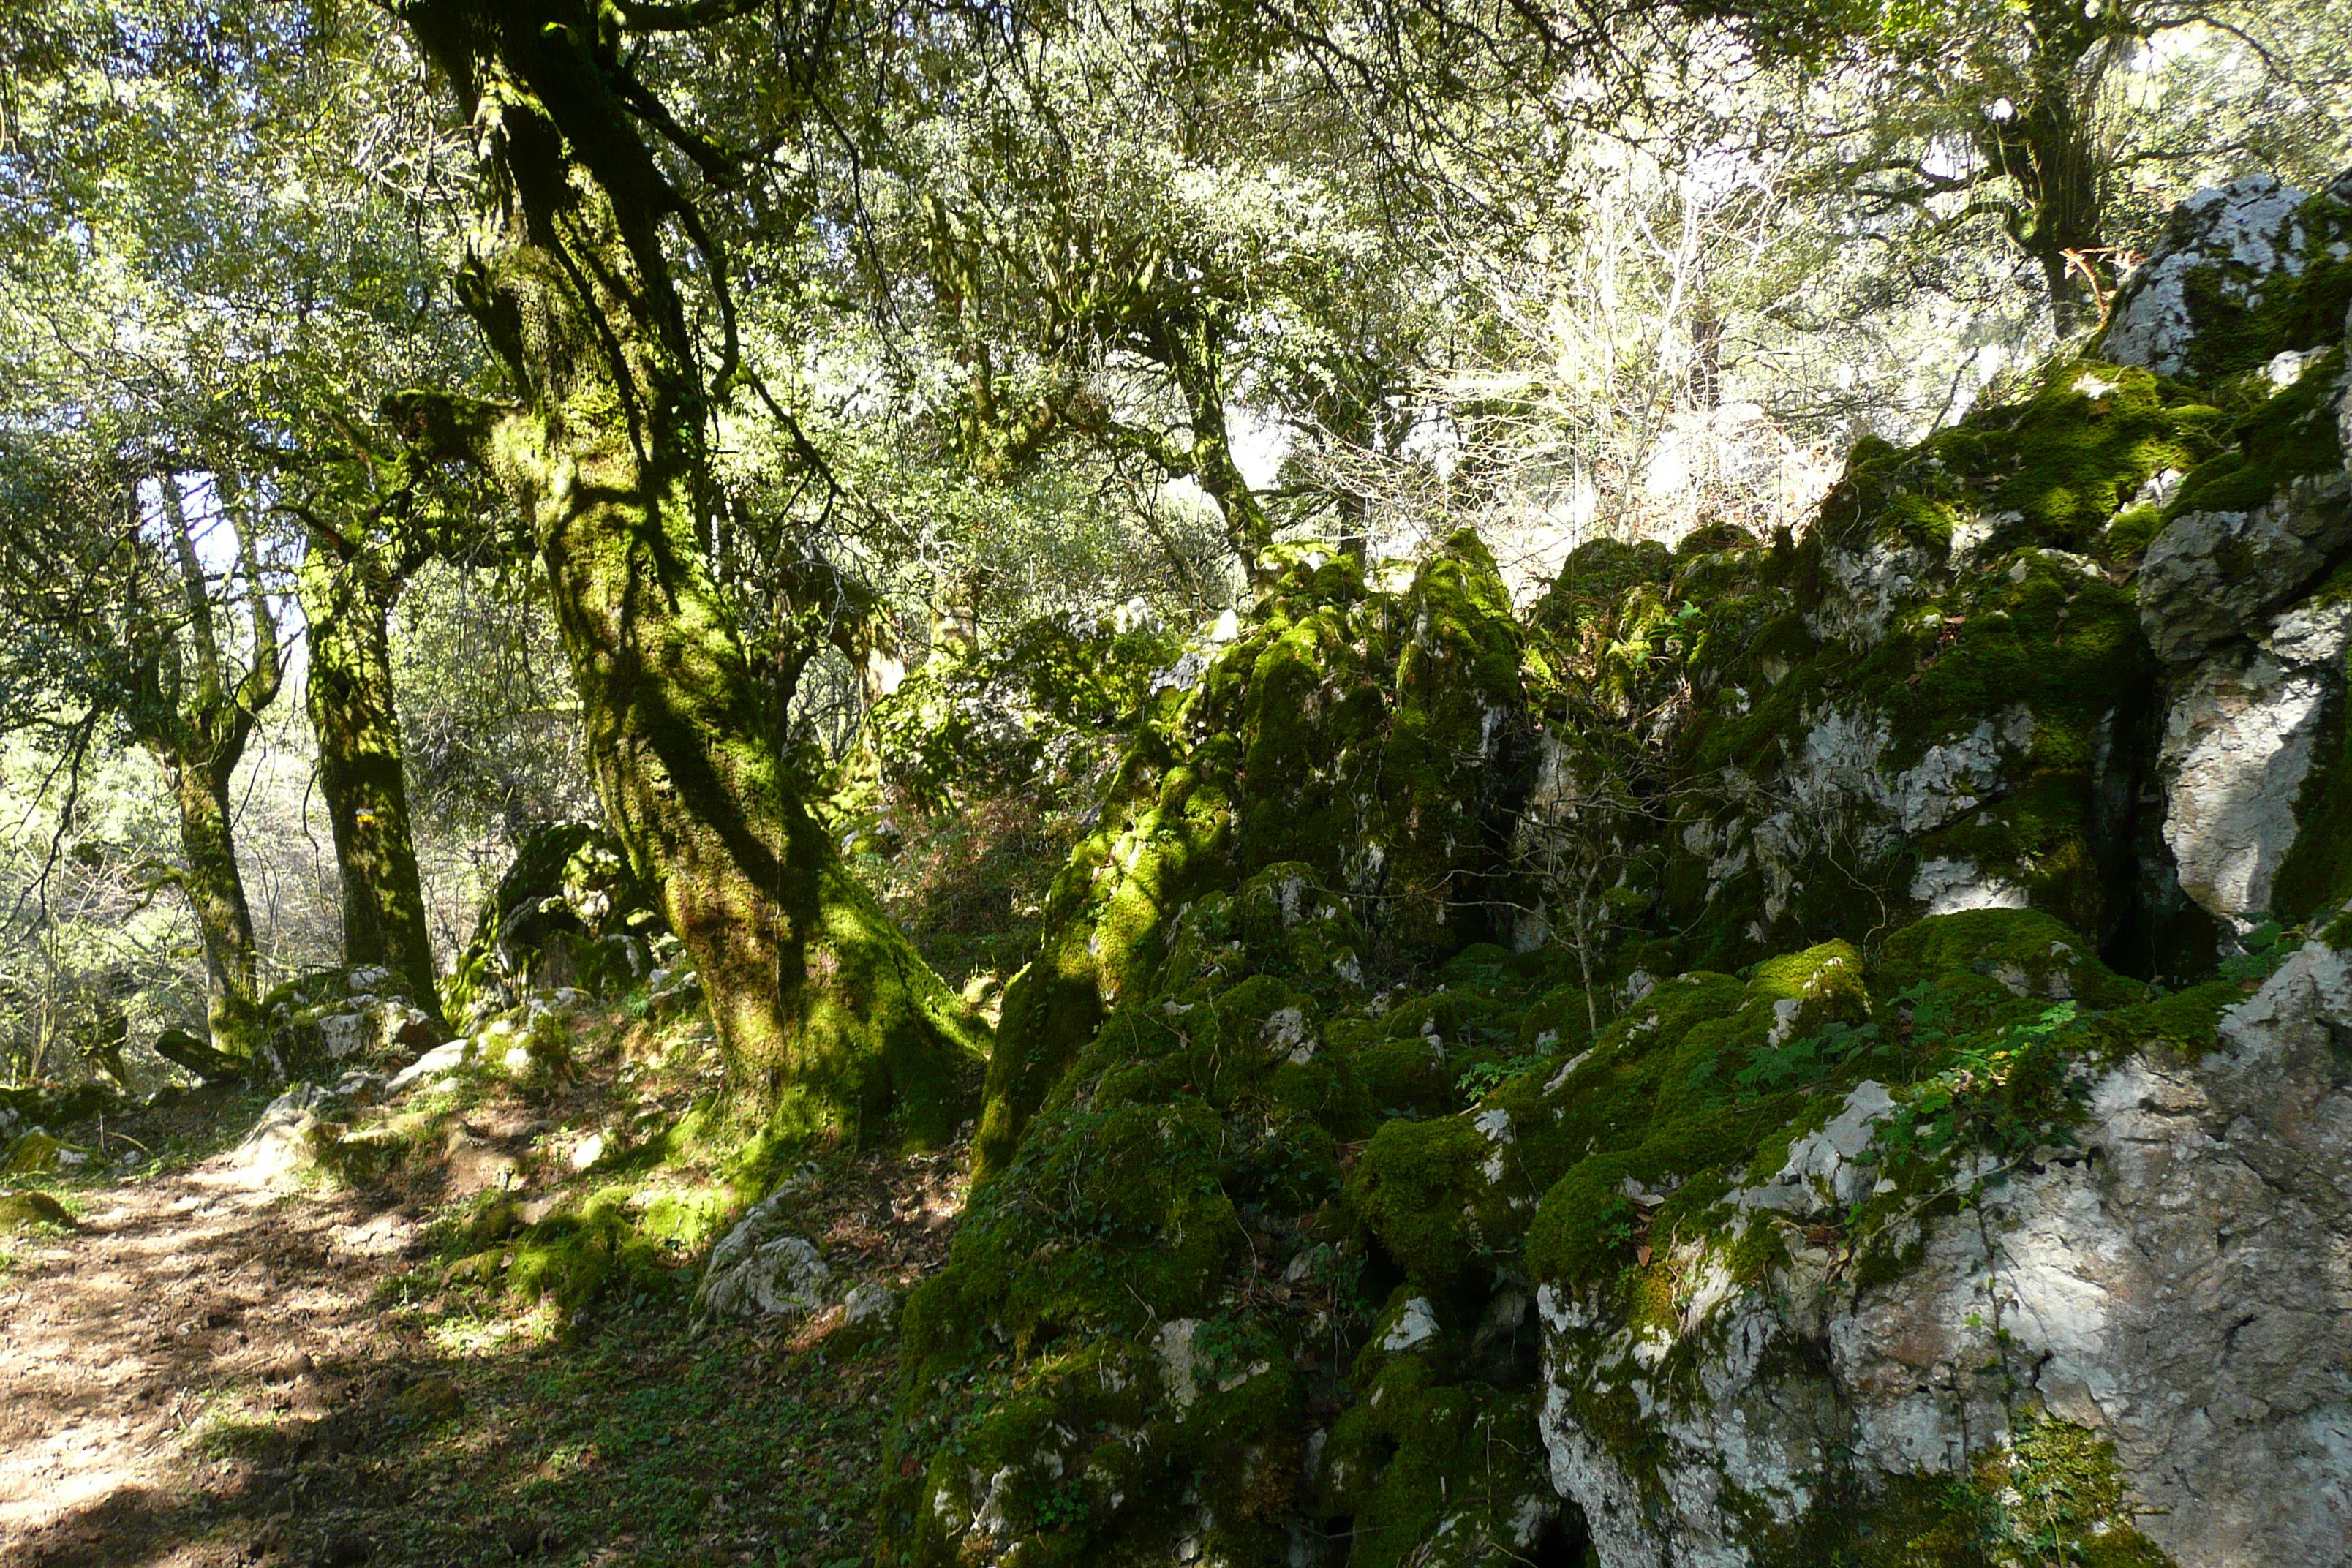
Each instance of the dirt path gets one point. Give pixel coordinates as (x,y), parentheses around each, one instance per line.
(113,1341)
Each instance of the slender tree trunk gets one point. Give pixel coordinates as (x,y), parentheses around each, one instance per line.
(199,715)
(216,893)
(1195,359)
(347,604)
(827,1017)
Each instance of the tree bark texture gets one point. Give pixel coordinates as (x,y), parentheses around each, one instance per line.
(827,1017)
(347,603)
(215,893)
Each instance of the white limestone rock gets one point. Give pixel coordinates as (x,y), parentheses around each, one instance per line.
(2210,576)
(869,1307)
(2237,237)
(437,1063)
(281,1142)
(2179,1283)
(1947,887)
(1871,584)
(1831,1167)
(2238,745)
(758,1270)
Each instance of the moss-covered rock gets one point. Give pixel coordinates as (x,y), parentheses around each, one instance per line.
(2242,273)
(1688,1034)
(1929,1272)
(1153,1295)
(1367,742)
(1940,698)
(569,911)
(30,1210)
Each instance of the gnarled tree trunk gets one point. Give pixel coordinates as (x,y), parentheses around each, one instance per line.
(827,1017)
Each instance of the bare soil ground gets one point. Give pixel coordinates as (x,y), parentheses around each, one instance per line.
(175,1290)
(223,1367)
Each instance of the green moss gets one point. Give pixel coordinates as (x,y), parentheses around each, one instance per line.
(2051,1495)
(1286,760)
(2128,533)
(34,1211)
(2238,330)
(1457,727)
(1710,1085)
(573,1258)
(1432,1472)
(1409,1188)
(1594,580)
(2284,435)
(2028,953)
(2051,470)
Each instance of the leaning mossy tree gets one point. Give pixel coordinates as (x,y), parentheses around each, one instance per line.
(376,507)
(828,1018)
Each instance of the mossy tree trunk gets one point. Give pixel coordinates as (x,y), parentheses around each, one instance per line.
(827,1016)
(347,599)
(215,892)
(194,717)
(2048,144)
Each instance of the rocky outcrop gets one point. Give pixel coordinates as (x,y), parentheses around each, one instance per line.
(2167,1279)
(1825,1049)
(330,1020)
(2237,268)
(2235,589)
(1938,699)
(1373,740)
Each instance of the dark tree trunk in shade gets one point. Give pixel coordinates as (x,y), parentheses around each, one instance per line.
(348,604)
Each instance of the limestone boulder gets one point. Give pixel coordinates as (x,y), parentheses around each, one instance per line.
(2241,738)
(2164,1303)
(306,1125)
(759,1269)
(2211,577)
(2230,257)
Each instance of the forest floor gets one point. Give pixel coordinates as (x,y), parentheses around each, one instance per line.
(224,1365)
